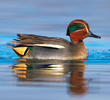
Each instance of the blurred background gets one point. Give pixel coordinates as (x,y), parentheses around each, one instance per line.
(50,18)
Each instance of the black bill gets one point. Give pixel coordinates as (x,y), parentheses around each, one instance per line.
(93,35)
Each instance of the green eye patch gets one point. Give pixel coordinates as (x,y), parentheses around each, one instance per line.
(75,26)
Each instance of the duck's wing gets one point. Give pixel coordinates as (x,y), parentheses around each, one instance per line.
(43,41)
(25,43)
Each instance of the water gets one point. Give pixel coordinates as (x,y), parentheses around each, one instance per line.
(52,80)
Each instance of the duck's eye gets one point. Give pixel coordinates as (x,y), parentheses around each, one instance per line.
(75,26)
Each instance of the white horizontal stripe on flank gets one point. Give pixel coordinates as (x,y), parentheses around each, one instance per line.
(50,45)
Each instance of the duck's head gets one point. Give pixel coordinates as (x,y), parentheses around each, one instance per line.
(78,30)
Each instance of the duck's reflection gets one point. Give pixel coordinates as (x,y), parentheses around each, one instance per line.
(52,71)
(78,83)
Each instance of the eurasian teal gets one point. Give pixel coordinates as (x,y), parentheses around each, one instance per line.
(41,47)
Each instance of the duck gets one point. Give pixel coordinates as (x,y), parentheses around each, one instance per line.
(30,46)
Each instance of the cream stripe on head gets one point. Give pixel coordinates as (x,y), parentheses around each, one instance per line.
(86,27)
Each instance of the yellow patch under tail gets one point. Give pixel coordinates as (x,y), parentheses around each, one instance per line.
(20,50)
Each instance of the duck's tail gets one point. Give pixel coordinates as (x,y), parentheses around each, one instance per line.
(23,45)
